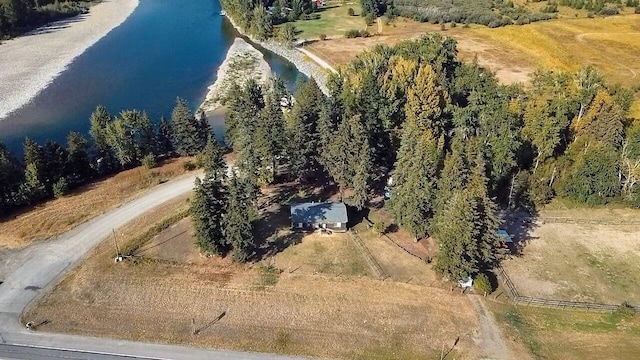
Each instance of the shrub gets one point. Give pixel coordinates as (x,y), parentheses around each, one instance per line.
(625,310)
(443,27)
(368,19)
(453,24)
(60,188)
(379,227)
(351,12)
(323,37)
(608,10)
(637,10)
(353,33)
(189,165)
(149,161)
(482,284)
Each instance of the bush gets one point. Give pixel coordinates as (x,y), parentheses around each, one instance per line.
(637,10)
(379,227)
(323,37)
(443,27)
(353,33)
(351,12)
(609,10)
(482,284)
(453,24)
(60,188)
(149,161)
(189,165)
(368,19)
(625,310)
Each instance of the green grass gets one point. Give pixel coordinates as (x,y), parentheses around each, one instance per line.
(333,21)
(558,334)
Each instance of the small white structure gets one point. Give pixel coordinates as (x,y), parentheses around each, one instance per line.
(465,284)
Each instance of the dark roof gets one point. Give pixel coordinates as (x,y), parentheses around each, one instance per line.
(318,212)
(505,236)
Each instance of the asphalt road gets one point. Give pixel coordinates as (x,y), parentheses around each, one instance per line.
(35,269)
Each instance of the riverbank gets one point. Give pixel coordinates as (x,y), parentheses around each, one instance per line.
(242,62)
(304,64)
(31,62)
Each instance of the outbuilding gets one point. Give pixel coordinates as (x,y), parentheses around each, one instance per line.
(324,215)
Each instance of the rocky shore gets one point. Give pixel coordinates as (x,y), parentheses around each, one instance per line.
(242,62)
(304,64)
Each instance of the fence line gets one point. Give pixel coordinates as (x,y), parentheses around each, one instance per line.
(518,299)
(375,266)
(565,220)
(386,236)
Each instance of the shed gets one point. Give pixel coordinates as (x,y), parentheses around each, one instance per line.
(327,215)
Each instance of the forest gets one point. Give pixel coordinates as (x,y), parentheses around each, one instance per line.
(20,16)
(458,146)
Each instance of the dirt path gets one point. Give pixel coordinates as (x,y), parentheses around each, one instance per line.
(489,338)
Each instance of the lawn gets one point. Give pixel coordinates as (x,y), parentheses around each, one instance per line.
(558,334)
(334,21)
(57,216)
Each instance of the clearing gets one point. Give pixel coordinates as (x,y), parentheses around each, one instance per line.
(54,217)
(589,258)
(569,335)
(310,294)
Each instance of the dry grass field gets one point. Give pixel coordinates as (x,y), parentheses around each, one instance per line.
(315,298)
(54,217)
(579,262)
(611,44)
(569,335)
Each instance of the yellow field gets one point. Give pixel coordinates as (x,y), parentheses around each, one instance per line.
(611,44)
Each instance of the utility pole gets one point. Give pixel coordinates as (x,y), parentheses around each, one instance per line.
(115,241)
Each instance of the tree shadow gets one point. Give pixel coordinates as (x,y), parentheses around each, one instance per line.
(520,225)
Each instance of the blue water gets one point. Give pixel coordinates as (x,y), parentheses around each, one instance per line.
(165,49)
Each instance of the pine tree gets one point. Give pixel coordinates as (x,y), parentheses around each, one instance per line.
(78,168)
(207,214)
(100,120)
(164,137)
(10,177)
(212,160)
(361,163)
(237,221)
(414,179)
(603,122)
(32,189)
(302,128)
(189,134)
(455,174)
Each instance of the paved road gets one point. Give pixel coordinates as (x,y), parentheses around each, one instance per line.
(36,268)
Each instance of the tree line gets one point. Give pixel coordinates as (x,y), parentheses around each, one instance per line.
(117,143)
(20,16)
(455,143)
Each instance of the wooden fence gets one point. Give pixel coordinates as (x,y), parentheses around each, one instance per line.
(518,299)
(565,220)
(375,266)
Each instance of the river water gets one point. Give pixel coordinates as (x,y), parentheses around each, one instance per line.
(165,49)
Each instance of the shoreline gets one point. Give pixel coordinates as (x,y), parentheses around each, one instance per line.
(304,65)
(32,61)
(242,62)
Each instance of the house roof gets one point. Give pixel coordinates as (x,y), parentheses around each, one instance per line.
(318,212)
(505,236)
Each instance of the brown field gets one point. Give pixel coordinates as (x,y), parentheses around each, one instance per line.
(321,301)
(579,262)
(569,335)
(611,44)
(57,216)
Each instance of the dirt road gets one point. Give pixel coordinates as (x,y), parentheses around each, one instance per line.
(489,338)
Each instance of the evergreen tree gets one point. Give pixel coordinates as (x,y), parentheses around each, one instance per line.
(238,222)
(207,214)
(78,168)
(604,122)
(131,136)
(32,189)
(212,160)
(414,179)
(189,134)
(261,25)
(303,131)
(455,174)
(34,156)
(164,137)
(55,163)
(100,120)
(10,177)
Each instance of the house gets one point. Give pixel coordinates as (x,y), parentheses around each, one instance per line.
(309,216)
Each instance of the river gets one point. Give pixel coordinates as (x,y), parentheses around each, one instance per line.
(165,49)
